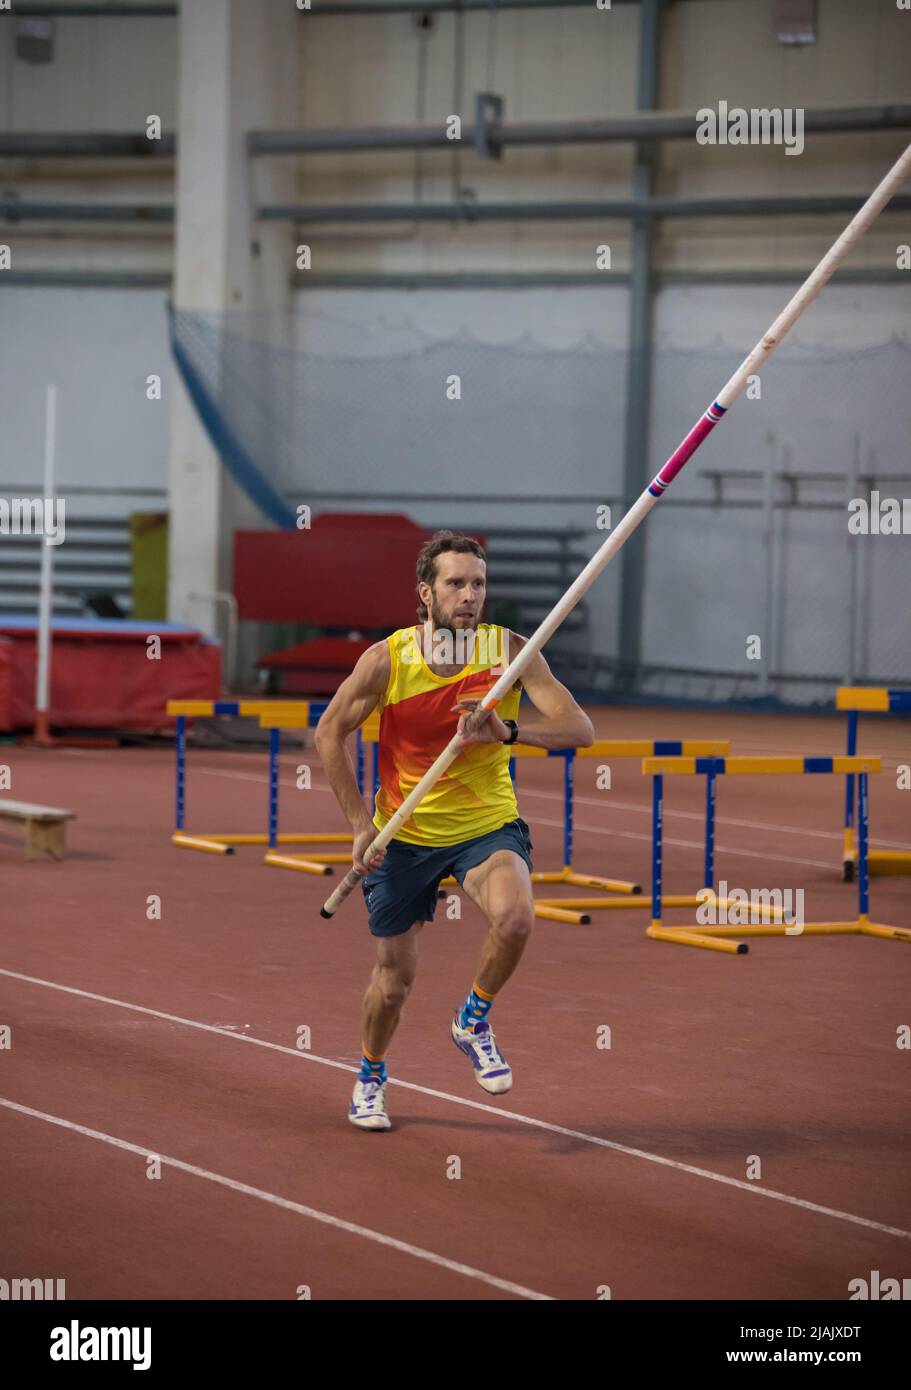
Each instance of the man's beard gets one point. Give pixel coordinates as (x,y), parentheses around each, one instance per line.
(440,622)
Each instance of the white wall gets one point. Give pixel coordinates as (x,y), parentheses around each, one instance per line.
(98,348)
(107,76)
(581,63)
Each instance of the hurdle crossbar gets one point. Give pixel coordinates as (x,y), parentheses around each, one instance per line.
(714,937)
(855,700)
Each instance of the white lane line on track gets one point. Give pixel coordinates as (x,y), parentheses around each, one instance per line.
(641,808)
(480,1105)
(691,844)
(645,809)
(351,1227)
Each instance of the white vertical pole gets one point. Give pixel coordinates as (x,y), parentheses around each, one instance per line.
(45,600)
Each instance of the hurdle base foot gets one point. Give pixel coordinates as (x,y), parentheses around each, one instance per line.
(201,843)
(693,936)
(300,866)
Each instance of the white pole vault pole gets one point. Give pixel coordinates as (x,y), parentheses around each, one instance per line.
(640,509)
(46,594)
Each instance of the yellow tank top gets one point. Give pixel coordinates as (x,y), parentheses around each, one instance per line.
(475,795)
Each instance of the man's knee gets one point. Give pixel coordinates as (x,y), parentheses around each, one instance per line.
(514,923)
(394,983)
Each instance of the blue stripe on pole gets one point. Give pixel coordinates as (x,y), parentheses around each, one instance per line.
(226,707)
(667,748)
(899,701)
(710,765)
(817,764)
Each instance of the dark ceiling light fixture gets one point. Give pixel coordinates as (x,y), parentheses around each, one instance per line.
(795,21)
(35,39)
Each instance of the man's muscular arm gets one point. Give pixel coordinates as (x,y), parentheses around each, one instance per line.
(357,696)
(564,723)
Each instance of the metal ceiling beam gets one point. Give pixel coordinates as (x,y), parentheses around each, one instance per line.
(459,280)
(569,279)
(33,10)
(649,126)
(13,211)
(28,145)
(616,209)
(87,279)
(324,8)
(662,125)
(320,9)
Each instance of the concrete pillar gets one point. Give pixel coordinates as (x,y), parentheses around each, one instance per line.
(237,72)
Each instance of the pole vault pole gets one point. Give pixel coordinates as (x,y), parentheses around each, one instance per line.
(640,509)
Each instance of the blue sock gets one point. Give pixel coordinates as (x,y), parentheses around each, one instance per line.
(476,1007)
(372,1069)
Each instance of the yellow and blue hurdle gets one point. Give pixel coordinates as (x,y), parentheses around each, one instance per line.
(275,721)
(297,713)
(855,700)
(622,892)
(711,937)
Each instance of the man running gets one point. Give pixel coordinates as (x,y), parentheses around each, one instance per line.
(426,680)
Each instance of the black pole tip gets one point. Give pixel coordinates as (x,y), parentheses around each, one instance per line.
(324,913)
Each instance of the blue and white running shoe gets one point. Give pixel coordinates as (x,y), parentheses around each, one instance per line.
(368,1105)
(490,1067)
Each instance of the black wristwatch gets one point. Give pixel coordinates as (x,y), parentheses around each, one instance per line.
(513,728)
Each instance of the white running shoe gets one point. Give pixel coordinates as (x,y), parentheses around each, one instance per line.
(368,1105)
(490,1067)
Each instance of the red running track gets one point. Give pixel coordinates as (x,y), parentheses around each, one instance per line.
(177,1039)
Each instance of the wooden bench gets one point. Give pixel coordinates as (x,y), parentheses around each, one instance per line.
(45,827)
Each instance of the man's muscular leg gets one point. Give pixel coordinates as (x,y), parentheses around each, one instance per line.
(501,888)
(390,985)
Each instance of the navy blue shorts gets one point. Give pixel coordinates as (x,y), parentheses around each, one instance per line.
(403,889)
